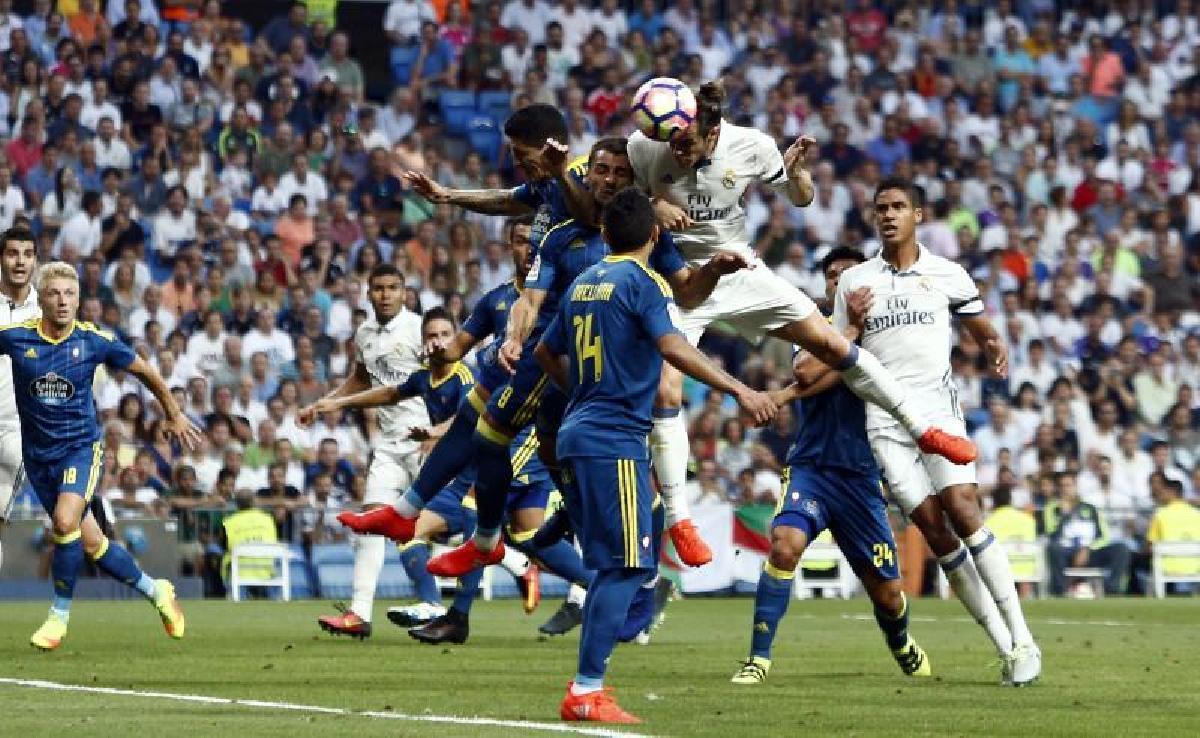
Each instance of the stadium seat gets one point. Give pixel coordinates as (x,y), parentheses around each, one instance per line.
(401,61)
(1163,552)
(485,138)
(332,553)
(495,104)
(279,557)
(820,554)
(457,108)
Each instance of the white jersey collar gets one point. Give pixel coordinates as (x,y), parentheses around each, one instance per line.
(918,267)
(30,300)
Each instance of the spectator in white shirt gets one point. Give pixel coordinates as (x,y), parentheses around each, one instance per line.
(575,23)
(175,226)
(1000,432)
(1036,369)
(110,150)
(99,106)
(403,20)
(516,57)
(80,236)
(151,309)
(206,348)
(267,338)
(612,20)
(299,180)
(396,120)
(532,15)
(12,200)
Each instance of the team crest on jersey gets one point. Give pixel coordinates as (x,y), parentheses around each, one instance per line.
(52,389)
(730,179)
(925,283)
(810,507)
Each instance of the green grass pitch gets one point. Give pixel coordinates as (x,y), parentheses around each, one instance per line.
(1112,667)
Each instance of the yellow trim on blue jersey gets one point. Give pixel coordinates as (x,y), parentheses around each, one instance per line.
(93,328)
(786,482)
(564,223)
(475,397)
(31,324)
(771,571)
(662,283)
(530,406)
(486,430)
(414,542)
(55,341)
(469,502)
(465,375)
(74,535)
(95,474)
(100,551)
(524,453)
(434,382)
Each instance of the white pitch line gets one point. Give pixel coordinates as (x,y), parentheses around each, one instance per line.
(1047,621)
(374,714)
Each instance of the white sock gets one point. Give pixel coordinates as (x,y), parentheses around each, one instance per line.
(966,583)
(577,690)
(992,563)
(407,505)
(873,383)
(369,552)
(576,594)
(670,451)
(514,562)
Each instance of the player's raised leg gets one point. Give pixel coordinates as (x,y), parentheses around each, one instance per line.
(414,557)
(670,450)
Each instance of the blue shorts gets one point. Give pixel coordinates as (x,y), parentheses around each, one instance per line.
(515,405)
(453,506)
(529,491)
(851,506)
(613,512)
(78,472)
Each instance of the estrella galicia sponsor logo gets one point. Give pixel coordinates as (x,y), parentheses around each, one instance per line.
(52,389)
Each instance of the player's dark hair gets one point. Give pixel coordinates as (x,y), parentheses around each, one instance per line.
(91,198)
(841,253)
(916,195)
(385,270)
(520,220)
(612,145)
(533,124)
(436,313)
(709,100)
(18,233)
(628,220)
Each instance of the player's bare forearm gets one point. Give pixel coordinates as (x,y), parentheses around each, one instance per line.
(989,340)
(356,381)
(808,370)
(800,188)
(437,431)
(692,286)
(153,381)
(552,365)
(523,315)
(374,397)
(488,202)
(578,199)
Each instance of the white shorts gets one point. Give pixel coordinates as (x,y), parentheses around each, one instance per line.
(389,476)
(754,301)
(913,475)
(10,469)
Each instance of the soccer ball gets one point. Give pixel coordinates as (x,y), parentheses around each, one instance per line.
(663,106)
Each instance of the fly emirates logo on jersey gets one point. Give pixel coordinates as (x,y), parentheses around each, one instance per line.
(700,209)
(899,311)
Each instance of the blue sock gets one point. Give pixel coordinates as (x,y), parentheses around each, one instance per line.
(771,601)
(604,612)
(64,568)
(894,627)
(114,560)
(468,587)
(493,478)
(562,560)
(449,457)
(415,557)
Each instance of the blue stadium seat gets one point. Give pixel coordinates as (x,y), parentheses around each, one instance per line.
(495,104)
(301,573)
(401,61)
(457,108)
(337,581)
(484,136)
(332,553)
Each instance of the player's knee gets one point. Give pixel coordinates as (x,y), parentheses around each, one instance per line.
(931,521)
(787,545)
(888,596)
(64,523)
(962,508)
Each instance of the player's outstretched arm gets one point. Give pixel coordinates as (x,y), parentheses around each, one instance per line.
(795,160)
(454,349)
(487,202)
(683,356)
(358,380)
(984,333)
(374,397)
(521,318)
(177,423)
(552,364)
(692,286)
(430,433)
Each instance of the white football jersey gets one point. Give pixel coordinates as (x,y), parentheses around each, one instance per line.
(10,313)
(390,353)
(908,327)
(711,192)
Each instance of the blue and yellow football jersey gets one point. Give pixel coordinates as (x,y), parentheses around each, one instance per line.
(549,203)
(53,384)
(569,249)
(608,326)
(489,318)
(833,432)
(442,397)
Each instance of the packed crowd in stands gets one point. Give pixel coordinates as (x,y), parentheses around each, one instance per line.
(224,189)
